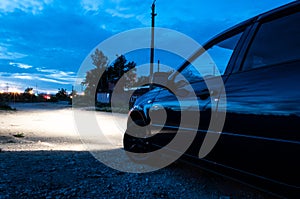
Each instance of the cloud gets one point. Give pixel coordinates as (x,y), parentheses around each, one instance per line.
(59,34)
(46,70)
(62,32)
(6,54)
(91,5)
(20,65)
(117,13)
(55,72)
(25,80)
(28,6)
(57,76)
(54,76)
(5,85)
(52,80)
(63,75)
(23,76)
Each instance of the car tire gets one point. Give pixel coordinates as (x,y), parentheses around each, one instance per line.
(137,147)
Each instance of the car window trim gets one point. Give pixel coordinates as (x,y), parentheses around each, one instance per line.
(280,12)
(245,30)
(256,27)
(245,48)
(239,28)
(238,52)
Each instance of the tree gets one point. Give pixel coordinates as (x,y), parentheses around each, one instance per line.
(62,94)
(28,95)
(73,93)
(120,68)
(92,77)
(99,59)
(28,91)
(102,78)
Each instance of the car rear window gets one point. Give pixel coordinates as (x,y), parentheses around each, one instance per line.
(276,41)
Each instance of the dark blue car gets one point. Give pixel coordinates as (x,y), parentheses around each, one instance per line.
(259,64)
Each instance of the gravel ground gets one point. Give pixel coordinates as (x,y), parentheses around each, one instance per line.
(52,163)
(63,174)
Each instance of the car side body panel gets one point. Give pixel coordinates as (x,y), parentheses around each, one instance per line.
(261,134)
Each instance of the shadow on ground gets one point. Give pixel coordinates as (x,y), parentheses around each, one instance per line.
(69,174)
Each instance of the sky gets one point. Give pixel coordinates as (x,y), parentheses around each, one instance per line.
(44,42)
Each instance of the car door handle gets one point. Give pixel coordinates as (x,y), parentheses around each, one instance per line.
(205,94)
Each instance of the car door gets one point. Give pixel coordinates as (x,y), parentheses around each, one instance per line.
(261,132)
(194,92)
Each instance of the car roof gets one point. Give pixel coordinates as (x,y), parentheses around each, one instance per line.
(295,5)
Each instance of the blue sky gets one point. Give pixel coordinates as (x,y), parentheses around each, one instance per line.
(43,42)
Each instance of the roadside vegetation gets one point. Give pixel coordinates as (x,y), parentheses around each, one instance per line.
(103,79)
(6,107)
(31,96)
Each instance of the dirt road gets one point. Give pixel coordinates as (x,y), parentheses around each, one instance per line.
(42,156)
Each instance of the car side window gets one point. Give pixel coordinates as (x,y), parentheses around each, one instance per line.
(275,42)
(214,61)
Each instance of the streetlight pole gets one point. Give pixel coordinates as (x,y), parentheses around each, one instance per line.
(153,15)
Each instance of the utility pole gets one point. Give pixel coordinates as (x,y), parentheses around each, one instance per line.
(158,66)
(153,15)
(72,93)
